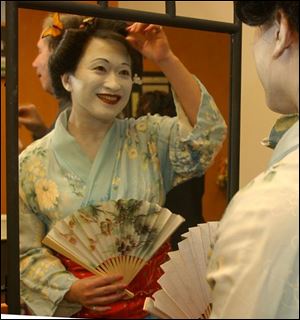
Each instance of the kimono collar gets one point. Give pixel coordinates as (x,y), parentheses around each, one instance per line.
(67,150)
(280,128)
(288,143)
(69,153)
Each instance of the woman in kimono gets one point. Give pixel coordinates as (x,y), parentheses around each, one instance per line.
(253,268)
(92,156)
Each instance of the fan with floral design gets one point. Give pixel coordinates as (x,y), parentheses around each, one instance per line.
(114,236)
(185,293)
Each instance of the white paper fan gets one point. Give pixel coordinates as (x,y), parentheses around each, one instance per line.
(185,293)
(114,236)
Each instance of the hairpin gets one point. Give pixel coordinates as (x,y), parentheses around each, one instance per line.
(137,79)
(87,22)
(56,29)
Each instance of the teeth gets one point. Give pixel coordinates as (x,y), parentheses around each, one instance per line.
(109,97)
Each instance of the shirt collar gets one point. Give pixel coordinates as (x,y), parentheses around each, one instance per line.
(288,143)
(279,129)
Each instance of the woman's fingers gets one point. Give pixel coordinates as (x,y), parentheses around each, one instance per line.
(106,300)
(101,291)
(136,43)
(105,280)
(108,290)
(154,28)
(143,28)
(137,27)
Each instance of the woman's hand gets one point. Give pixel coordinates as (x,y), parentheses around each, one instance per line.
(97,293)
(150,40)
(153,44)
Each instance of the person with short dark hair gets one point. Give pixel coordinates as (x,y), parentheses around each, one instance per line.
(254,265)
(91,157)
(156,102)
(29,116)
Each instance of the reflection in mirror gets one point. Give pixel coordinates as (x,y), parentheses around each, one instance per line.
(205,54)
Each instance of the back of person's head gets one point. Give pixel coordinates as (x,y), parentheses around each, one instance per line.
(156,102)
(67,55)
(275,50)
(256,13)
(54,27)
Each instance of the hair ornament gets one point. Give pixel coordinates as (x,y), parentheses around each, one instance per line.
(137,79)
(56,29)
(87,23)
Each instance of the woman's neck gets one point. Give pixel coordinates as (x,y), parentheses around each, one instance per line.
(89,132)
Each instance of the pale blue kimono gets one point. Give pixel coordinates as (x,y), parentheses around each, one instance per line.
(140,159)
(254,266)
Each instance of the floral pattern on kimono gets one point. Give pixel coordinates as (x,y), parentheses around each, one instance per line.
(138,159)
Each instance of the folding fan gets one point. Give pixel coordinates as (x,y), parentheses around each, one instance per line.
(114,236)
(185,293)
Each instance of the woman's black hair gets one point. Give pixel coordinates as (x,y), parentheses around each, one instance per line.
(67,55)
(156,101)
(256,13)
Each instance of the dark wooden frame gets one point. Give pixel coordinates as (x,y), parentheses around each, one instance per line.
(100,10)
(3,50)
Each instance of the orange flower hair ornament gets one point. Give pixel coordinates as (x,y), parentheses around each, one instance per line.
(56,29)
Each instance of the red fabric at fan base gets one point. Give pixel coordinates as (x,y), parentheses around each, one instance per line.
(143,285)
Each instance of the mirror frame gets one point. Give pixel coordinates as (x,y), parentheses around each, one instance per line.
(104,11)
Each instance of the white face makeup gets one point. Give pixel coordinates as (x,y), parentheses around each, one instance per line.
(102,83)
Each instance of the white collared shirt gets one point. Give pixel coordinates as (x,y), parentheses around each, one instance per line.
(254,267)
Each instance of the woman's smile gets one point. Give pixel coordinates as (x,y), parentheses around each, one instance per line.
(109,98)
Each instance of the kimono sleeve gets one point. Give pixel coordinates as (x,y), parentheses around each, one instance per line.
(43,279)
(185,151)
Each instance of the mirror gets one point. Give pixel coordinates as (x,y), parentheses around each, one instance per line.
(206,54)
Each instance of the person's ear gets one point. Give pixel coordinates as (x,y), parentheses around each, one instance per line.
(284,34)
(66,81)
